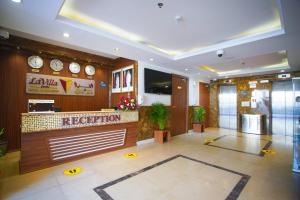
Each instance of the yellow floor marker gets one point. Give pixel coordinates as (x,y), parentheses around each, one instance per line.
(130,155)
(207,140)
(268,151)
(72,171)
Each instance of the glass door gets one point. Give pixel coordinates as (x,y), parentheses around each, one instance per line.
(282,108)
(228,107)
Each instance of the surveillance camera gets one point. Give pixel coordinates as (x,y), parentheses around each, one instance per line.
(220,53)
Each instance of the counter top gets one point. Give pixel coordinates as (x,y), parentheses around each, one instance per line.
(36,122)
(73,112)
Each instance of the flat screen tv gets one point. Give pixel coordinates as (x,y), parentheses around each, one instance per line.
(157,82)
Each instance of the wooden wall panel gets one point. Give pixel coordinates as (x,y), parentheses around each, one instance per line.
(120,63)
(40,157)
(204,100)
(13,101)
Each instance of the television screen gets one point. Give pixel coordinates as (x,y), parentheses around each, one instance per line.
(157,82)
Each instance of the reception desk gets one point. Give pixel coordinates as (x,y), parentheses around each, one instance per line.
(49,139)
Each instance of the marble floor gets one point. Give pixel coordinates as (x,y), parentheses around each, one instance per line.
(187,167)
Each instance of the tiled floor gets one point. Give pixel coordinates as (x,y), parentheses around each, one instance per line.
(180,178)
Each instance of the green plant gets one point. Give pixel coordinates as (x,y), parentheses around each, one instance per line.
(3,144)
(158,115)
(1,132)
(199,114)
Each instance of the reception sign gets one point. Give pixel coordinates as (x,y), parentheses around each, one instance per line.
(46,84)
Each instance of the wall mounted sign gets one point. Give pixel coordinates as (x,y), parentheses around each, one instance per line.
(252,85)
(245,103)
(46,84)
(103,84)
(264,81)
(243,93)
(95,119)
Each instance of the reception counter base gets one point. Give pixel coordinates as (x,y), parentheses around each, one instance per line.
(49,148)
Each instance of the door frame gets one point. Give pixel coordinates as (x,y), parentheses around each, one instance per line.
(187,101)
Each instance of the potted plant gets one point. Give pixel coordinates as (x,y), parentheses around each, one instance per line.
(199,117)
(3,143)
(159,116)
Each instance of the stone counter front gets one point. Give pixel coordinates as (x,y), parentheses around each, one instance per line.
(35,122)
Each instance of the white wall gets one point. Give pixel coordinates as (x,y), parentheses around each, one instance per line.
(148,99)
(193,92)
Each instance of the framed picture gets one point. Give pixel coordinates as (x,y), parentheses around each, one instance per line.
(127,79)
(116,81)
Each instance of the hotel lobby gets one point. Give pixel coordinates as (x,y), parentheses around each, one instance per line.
(137,100)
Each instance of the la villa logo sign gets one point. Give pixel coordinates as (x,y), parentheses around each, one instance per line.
(45,84)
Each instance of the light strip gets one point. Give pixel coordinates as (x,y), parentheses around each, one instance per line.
(208,68)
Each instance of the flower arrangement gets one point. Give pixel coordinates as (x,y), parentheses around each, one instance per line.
(127,104)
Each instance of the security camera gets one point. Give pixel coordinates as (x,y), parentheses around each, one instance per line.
(220,53)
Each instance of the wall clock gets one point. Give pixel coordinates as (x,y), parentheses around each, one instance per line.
(74,68)
(90,70)
(35,62)
(56,65)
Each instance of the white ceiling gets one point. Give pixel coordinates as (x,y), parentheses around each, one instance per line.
(250,32)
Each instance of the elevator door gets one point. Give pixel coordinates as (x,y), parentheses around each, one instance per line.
(228,107)
(282,108)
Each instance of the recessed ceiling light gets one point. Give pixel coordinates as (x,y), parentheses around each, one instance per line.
(282,70)
(214,79)
(226,77)
(178,18)
(116,49)
(186,69)
(151,59)
(66,35)
(17,1)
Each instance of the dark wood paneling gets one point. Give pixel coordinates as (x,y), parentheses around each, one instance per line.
(120,63)
(35,152)
(34,47)
(13,69)
(204,100)
(179,99)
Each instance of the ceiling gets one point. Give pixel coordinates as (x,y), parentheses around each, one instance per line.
(257,36)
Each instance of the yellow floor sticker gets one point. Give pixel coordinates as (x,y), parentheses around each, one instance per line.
(207,140)
(269,151)
(130,155)
(72,171)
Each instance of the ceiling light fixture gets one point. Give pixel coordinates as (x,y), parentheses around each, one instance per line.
(116,49)
(17,1)
(208,68)
(282,70)
(186,69)
(178,18)
(66,35)
(151,59)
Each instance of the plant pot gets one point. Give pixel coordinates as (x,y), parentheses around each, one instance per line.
(3,147)
(162,136)
(197,127)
